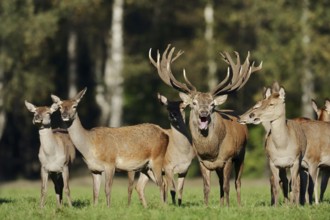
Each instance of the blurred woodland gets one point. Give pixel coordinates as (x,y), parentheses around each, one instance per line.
(59,47)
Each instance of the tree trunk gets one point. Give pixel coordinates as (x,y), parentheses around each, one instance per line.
(209,24)
(72,61)
(114,65)
(100,86)
(2,112)
(307,79)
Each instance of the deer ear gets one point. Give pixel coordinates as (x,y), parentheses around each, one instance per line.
(54,107)
(314,106)
(220,99)
(185,98)
(281,92)
(56,99)
(268,92)
(30,106)
(162,99)
(327,104)
(80,94)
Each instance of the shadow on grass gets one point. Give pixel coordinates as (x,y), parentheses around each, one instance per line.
(191,204)
(4,201)
(326,201)
(81,203)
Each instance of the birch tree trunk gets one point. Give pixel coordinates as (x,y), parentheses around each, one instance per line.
(114,65)
(72,62)
(209,24)
(307,79)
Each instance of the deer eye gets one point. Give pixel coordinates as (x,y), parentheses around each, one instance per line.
(194,102)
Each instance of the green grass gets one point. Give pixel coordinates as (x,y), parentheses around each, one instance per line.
(21,201)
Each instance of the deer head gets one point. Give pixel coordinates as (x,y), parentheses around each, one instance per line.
(68,108)
(202,104)
(269,109)
(175,109)
(323,114)
(42,115)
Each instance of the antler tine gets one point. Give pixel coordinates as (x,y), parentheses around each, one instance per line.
(164,68)
(193,88)
(164,77)
(240,74)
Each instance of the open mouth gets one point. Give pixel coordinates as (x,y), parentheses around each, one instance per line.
(256,121)
(203,123)
(65,118)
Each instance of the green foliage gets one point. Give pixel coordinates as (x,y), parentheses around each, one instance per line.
(33,59)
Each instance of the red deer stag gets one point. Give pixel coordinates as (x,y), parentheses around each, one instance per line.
(219,141)
(56,152)
(131,148)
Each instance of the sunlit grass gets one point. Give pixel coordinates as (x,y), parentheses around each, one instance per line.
(21,201)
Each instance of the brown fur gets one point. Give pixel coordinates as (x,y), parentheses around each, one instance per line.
(56,153)
(131,148)
(218,142)
(179,152)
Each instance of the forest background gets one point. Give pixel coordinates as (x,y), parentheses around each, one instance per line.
(60,47)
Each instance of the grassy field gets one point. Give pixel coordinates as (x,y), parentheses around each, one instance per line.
(20,200)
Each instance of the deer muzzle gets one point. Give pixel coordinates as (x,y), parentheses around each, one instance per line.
(203,120)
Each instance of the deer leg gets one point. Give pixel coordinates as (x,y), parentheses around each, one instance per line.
(44,180)
(324,183)
(173,191)
(313,171)
(96,186)
(131,175)
(226,179)
(285,184)
(65,175)
(169,180)
(181,179)
(295,182)
(157,171)
(238,174)
(276,182)
(58,185)
(219,172)
(303,176)
(206,175)
(140,185)
(109,172)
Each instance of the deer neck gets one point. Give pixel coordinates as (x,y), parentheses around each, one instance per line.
(207,142)
(279,131)
(47,140)
(180,131)
(78,135)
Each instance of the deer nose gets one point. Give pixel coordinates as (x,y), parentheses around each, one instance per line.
(252,115)
(203,113)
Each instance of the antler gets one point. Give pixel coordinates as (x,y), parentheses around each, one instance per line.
(165,73)
(239,75)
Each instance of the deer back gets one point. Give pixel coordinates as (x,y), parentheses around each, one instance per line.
(130,142)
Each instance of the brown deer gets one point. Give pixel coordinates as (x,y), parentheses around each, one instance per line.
(218,141)
(130,148)
(290,140)
(179,152)
(323,114)
(56,153)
